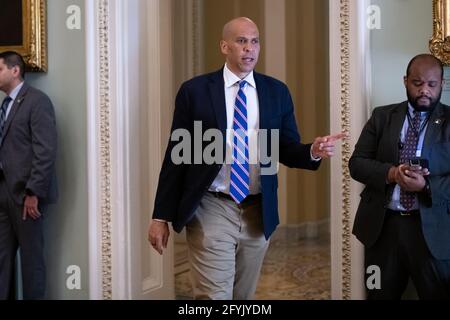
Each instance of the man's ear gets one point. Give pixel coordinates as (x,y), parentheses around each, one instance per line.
(223,47)
(16,71)
(405,81)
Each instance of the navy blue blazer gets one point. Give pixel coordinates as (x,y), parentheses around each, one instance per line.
(181,187)
(377,150)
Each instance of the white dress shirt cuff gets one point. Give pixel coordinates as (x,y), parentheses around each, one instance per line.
(312,157)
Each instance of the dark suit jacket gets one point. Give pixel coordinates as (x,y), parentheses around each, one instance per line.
(377,150)
(28,149)
(181,187)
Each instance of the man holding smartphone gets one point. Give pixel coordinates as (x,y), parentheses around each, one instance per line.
(402,158)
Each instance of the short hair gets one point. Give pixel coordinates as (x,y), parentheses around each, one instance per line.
(12,59)
(427,56)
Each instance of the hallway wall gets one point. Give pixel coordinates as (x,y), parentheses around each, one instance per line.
(406,27)
(307,51)
(66,229)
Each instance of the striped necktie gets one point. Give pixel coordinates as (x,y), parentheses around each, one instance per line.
(3,110)
(240,173)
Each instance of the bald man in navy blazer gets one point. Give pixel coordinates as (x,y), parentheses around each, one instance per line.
(227,237)
(27,177)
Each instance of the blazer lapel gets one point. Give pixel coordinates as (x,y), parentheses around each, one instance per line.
(263,101)
(217,95)
(17,102)
(395,128)
(435,125)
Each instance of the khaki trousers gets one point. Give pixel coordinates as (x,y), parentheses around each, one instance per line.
(226,248)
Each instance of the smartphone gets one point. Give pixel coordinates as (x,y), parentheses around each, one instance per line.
(418,162)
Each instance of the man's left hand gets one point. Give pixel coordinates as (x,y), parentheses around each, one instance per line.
(409,180)
(158,235)
(323,147)
(30,208)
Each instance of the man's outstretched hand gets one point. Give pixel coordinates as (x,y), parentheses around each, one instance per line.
(323,147)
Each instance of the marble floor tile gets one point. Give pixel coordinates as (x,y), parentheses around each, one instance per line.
(292,270)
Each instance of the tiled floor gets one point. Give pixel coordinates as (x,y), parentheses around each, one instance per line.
(292,270)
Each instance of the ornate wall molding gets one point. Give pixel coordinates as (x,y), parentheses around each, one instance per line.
(33,45)
(105,149)
(346,148)
(124,123)
(36,58)
(440,41)
(349,88)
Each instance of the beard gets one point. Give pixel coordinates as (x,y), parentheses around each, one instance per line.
(415,102)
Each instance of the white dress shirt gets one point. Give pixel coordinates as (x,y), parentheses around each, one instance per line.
(222,181)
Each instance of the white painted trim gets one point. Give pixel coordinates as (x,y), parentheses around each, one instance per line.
(136,53)
(94,198)
(358,98)
(120,152)
(336,162)
(155,280)
(119,93)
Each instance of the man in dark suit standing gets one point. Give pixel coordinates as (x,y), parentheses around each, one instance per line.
(230,210)
(403,218)
(27,177)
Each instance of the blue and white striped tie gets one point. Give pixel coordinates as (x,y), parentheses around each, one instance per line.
(240,174)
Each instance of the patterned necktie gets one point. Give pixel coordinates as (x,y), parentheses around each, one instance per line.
(3,109)
(240,176)
(408,151)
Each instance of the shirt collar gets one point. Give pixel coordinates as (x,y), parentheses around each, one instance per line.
(15,91)
(230,78)
(411,111)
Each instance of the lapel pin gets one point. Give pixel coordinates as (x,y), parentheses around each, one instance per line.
(438,121)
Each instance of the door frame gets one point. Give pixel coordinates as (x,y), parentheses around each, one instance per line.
(129,54)
(349,100)
(117,269)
